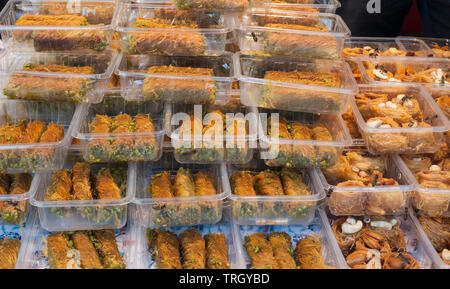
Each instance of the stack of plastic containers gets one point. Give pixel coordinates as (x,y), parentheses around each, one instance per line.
(57,56)
(407,77)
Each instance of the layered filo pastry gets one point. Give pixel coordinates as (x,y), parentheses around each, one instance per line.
(357,181)
(386,111)
(432,172)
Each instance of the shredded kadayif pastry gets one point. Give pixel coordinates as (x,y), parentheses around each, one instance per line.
(308,253)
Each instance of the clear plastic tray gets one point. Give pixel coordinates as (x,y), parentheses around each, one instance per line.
(138,146)
(418,64)
(37,156)
(435,94)
(133,72)
(379,140)
(34,253)
(256,38)
(206,149)
(439,41)
(414,245)
(315,6)
(143,253)
(100,14)
(178,211)
(275,210)
(370,201)
(297,232)
(210,34)
(257,91)
(434,202)
(82,214)
(437,261)
(383,44)
(16,82)
(14,208)
(308,153)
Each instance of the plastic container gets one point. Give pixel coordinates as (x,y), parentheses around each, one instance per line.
(257,37)
(414,245)
(33,157)
(14,208)
(145,258)
(18,82)
(315,6)
(370,201)
(297,232)
(137,146)
(178,211)
(438,263)
(208,34)
(433,202)
(96,34)
(418,64)
(275,210)
(409,140)
(34,252)
(383,44)
(287,152)
(83,214)
(441,42)
(257,91)
(137,84)
(206,147)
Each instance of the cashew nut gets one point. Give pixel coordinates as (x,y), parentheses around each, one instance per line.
(400,98)
(348,228)
(382,105)
(392,79)
(374,262)
(351,221)
(378,73)
(374,123)
(384,126)
(435,168)
(446,255)
(381,224)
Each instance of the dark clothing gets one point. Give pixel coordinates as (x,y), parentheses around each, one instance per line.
(388,23)
(435,16)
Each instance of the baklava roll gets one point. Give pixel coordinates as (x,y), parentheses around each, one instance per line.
(60,187)
(193,249)
(33,131)
(242,184)
(165,248)
(88,254)
(267,183)
(204,184)
(282,250)
(81,181)
(14,211)
(293,184)
(326,155)
(105,185)
(5,182)
(216,251)
(161,185)
(59,252)
(9,250)
(145,146)
(105,242)
(121,148)
(184,185)
(282,153)
(98,148)
(303,154)
(260,252)
(44,156)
